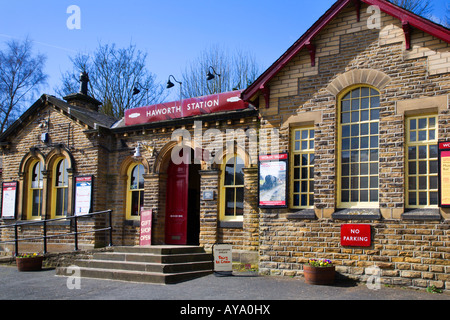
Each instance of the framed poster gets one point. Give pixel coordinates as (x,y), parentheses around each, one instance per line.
(9,199)
(444,174)
(83,195)
(273,181)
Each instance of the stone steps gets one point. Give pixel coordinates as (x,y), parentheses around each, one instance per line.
(152,264)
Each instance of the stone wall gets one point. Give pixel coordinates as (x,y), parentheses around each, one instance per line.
(409,252)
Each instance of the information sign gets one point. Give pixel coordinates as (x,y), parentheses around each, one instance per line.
(223,258)
(9,194)
(356,235)
(145,236)
(444,174)
(83,195)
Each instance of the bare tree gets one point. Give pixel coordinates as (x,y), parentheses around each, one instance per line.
(21,76)
(114,73)
(420,7)
(236,70)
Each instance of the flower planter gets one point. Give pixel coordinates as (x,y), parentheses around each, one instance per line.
(29,264)
(319,275)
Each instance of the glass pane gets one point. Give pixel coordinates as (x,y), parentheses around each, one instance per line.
(304,198)
(422,123)
(412,153)
(345,196)
(433,151)
(296,200)
(412,183)
(433,198)
(412,199)
(229,173)
(296,160)
(434,167)
(422,167)
(61,174)
(412,168)
(373,182)
(423,183)
(423,198)
(239,179)
(296,187)
(229,202)
(433,182)
(346,105)
(135,204)
(373,195)
(36,204)
(239,201)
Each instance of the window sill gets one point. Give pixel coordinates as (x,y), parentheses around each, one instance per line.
(422,214)
(357,214)
(231,224)
(305,214)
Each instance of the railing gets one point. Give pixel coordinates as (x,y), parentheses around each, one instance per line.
(45,223)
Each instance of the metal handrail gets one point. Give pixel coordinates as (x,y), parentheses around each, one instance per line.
(45,236)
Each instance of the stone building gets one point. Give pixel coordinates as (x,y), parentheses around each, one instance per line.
(361,102)
(357,106)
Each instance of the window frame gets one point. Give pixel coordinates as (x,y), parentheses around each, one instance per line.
(339,187)
(224,187)
(128,215)
(308,151)
(417,143)
(30,189)
(55,188)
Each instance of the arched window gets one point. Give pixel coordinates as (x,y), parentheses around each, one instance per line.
(35,188)
(60,189)
(135,191)
(358,145)
(232,189)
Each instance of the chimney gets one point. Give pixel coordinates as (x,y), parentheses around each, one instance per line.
(82,99)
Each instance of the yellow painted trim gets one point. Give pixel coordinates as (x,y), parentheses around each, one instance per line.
(222,215)
(54,188)
(128,215)
(350,205)
(417,144)
(293,153)
(30,191)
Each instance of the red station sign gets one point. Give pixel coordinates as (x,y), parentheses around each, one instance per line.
(356,235)
(227,101)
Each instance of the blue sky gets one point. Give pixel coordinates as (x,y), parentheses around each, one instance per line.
(171,32)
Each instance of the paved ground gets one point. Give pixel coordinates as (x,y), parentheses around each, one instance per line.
(44,285)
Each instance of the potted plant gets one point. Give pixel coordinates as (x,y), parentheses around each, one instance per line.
(319,271)
(29,262)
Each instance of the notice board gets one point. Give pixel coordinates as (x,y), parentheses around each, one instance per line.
(83,195)
(9,199)
(444,174)
(273,181)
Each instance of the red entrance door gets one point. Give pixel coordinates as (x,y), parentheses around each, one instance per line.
(177,203)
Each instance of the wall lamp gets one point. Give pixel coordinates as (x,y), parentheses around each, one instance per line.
(149,147)
(211,76)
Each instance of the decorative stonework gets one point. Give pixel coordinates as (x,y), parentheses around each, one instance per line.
(371,77)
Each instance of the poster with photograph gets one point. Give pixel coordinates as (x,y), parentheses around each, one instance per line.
(9,194)
(273,173)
